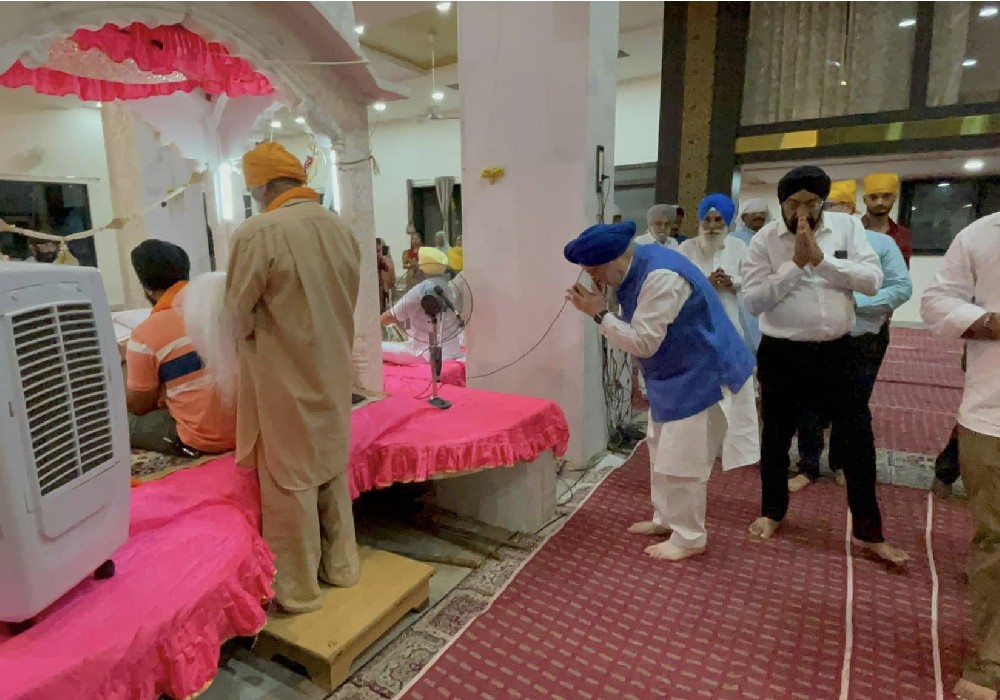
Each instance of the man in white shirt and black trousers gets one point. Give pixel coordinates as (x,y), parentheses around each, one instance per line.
(799,278)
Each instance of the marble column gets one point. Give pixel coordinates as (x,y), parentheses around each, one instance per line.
(538,96)
(126,192)
(699,81)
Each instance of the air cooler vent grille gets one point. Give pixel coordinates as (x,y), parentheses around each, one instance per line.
(65,393)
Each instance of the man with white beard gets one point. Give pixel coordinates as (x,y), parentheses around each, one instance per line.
(718,254)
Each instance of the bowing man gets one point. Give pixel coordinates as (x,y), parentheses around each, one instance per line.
(697,372)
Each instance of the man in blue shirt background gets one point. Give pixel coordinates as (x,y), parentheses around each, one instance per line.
(870,337)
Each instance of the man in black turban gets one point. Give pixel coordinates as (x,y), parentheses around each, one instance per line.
(159,265)
(799,278)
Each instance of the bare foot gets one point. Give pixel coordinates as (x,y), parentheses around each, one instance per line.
(648,527)
(668,551)
(967,690)
(797,483)
(886,551)
(763,528)
(839,477)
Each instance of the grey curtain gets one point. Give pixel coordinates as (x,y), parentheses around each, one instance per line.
(444,186)
(807,60)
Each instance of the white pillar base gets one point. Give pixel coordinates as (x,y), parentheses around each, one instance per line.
(521,498)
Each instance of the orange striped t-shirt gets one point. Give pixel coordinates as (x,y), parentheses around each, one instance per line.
(160,357)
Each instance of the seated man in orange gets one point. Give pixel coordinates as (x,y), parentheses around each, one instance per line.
(173,404)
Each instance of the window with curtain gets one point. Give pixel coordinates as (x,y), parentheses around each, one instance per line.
(965,64)
(808,60)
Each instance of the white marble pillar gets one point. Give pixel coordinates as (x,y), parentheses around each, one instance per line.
(538,96)
(126,192)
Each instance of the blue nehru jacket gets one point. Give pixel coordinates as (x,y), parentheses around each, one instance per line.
(702,351)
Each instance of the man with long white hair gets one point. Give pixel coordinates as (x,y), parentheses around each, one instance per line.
(659,221)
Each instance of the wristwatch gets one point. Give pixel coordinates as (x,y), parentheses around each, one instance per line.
(599,316)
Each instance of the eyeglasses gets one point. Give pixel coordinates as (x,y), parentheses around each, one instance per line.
(790,206)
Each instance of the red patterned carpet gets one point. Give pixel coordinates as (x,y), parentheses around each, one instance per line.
(917,395)
(591,617)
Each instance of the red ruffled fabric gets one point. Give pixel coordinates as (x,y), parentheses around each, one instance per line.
(193,573)
(482,430)
(160,50)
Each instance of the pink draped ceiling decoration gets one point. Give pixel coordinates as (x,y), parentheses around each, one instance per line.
(134,62)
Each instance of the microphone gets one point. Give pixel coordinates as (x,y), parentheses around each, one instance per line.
(432,304)
(447,302)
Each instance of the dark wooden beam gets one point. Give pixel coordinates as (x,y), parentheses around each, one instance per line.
(732,25)
(668,160)
(920,69)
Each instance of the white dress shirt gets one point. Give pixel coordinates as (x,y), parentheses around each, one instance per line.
(730,258)
(966,287)
(811,303)
(648,237)
(409,311)
(661,298)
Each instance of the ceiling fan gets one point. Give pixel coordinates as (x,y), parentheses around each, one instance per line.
(434,112)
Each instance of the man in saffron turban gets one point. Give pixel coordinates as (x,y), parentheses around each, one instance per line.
(292,286)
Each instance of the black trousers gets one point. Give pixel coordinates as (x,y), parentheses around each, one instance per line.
(868,351)
(827,378)
(946,468)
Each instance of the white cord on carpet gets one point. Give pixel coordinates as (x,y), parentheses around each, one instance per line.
(845,673)
(938,680)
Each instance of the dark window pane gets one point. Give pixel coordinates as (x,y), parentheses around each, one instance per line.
(47,207)
(938,211)
(965,64)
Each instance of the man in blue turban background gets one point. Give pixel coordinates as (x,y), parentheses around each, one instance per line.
(693,373)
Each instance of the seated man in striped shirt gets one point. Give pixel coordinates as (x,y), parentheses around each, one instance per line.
(173,403)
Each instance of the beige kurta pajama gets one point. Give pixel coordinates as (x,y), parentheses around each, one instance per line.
(292,285)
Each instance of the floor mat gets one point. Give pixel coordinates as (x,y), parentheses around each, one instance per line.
(590,616)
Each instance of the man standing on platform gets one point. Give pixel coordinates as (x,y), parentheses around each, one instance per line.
(292,286)
(697,372)
(869,338)
(799,278)
(964,302)
(881,191)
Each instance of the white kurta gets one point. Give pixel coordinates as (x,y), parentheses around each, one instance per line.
(730,258)
(648,237)
(688,447)
(408,311)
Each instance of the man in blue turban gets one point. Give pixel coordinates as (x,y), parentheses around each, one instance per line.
(695,373)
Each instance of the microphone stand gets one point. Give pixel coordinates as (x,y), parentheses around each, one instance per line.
(436,359)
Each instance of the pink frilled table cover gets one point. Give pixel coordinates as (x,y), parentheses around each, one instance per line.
(415,380)
(195,570)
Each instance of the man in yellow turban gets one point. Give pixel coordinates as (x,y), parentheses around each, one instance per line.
(881,191)
(410,311)
(292,286)
(843,197)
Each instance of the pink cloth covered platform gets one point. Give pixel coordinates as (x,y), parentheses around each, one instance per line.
(193,573)
(482,429)
(415,380)
(195,570)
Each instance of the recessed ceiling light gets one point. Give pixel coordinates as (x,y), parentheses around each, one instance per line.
(974,164)
(379,106)
(300,120)
(275,124)
(908,22)
(443,7)
(944,184)
(437,95)
(360,29)
(843,83)
(969,63)
(989,11)
(98,104)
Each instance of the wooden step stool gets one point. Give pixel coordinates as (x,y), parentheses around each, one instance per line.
(327,642)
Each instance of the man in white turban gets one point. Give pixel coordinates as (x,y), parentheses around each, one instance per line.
(659,220)
(753,216)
